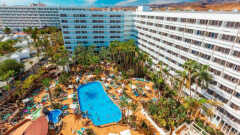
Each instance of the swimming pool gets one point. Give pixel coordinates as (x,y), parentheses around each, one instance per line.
(99,107)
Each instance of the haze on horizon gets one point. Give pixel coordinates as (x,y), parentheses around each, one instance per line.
(90,3)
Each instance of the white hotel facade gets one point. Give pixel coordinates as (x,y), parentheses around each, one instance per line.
(211,38)
(207,37)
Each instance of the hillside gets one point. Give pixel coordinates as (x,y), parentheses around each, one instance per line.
(204,5)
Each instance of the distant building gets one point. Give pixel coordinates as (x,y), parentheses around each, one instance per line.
(95,27)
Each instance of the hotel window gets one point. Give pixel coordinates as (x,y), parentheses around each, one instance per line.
(97,15)
(195,52)
(98,26)
(181,29)
(234,106)
(222,50)
(67,37)
(82,42)
(66,32)
(187,40)
(238,40)
(228,90)
(114,36)
(83,26)
(183,20)
(233,66)
(153,31)
(215,23)
(212,34)
(115,21)
(95,37)
(230,78)
(158,25)
(98,31)
(115,15)
(97,21)
(204,22)
(79,15)
(219,61)
(64,26)
(150,17)
(233,24)
(79,32)
(149,23)
(191,21)
(115,32)
(189,31)
(115,26)
(215,71)
(159,17)
(228,37)
(81,21)
(237,95)
(98,42)
(63,15)
(209,46)
(67,42)
(172,19)
(64,21)
(197,43)
(236,53)
(81,37)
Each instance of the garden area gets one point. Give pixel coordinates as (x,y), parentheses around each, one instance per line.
(128,78)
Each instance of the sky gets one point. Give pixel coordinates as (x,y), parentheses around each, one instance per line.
(91,3)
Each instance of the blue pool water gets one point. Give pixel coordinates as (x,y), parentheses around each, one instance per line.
(99,107)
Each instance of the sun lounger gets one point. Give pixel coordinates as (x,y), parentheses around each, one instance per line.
(125,132)
(112,134)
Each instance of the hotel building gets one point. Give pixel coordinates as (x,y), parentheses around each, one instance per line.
(210,38)
(19,17)
(95,27)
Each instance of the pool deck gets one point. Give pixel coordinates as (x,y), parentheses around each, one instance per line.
(71,123)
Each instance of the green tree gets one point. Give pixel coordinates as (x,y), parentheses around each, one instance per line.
(182,79)
(194,106)
(202,77)
(7,46)
(10,66)
(61,58)
(46,83)
(7,30)
(190,67)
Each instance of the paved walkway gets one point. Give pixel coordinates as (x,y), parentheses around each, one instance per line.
(160,131)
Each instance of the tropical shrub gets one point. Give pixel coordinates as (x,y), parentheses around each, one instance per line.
(90,131)
(64,78)
(8,66)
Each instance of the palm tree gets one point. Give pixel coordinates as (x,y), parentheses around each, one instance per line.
(46,83)
(123,104)
(61,58)
(191,67)
(194,106)
(202,77)
(182,78)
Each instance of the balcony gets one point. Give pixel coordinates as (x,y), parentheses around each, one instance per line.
(220,92)
(228,120)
